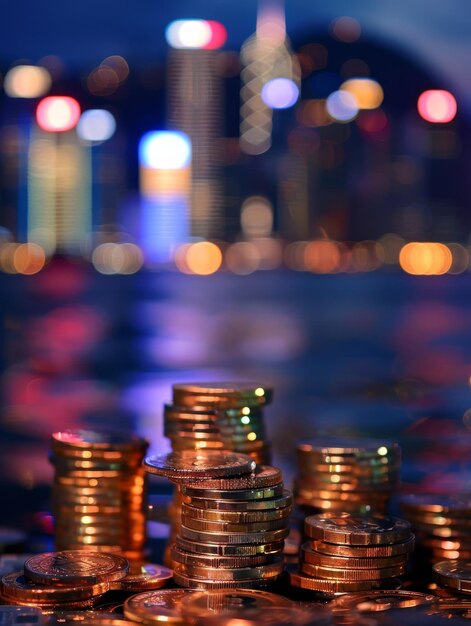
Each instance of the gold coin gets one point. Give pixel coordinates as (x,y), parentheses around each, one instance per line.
(227,527)
(75,567)
(375,551)
(238,517)
(349,446)
(234,538)
(344,528)
(222,562)
(99,440)
(338,573)
(335,586)
(198,464)
(228,550)
(16,586)
(267,493)
(230,574)
(143,576)
(344,562)
(270,504)
(240,600)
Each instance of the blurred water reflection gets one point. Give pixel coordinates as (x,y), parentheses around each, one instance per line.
(377,354)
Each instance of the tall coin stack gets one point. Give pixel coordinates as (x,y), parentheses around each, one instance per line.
(347,474)
(235,517)
(353,553)
(216,416)
(442,526)
(99,492)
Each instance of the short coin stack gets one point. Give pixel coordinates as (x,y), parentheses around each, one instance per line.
(235,516)
(353,553)
(454,576)
(219,416)
(442,526)
(99,492)
(347,474)
(65,580)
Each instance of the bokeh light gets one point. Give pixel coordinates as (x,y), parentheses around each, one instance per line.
(280,93)
(346,29)
(96,125)
(425,258)
(242,258)
(165,150)
(256,217)
(218,35)
(322,256)
(58,113)
(342,106)
(203,258)
(29,258)
(117,258)
(27,81)
(437,106)
(192,34)
(367,92)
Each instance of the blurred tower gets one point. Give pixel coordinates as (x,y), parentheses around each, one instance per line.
(266,56)
(59,179)
(195,102)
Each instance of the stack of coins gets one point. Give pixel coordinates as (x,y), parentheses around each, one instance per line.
(442,526)
(99,492)
(235,516)
(347,474)
(216,416)
(353,553)
(64,580)
(454,576)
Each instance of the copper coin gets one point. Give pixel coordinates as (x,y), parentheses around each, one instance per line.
(143,576)
(262,476)
(375,551)
(159,606)
(459,505)
(228,550)
(227,527)
(344,562)
(269,504)
(344,528)
(267,493)
(455,574)
(199,464)
(240,600)
(234,538)
(374,601)
(75,567)
(336,586)
(256,572)
(16,587)
(338,573)
(221,395)
(99,440)
(351,446)
(223,562)
(238,517)
(200,583)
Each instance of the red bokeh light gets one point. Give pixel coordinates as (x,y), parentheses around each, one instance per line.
(58,113)
(437,106)
(218,35)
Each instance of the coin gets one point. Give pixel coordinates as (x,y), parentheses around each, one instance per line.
(199,583)
(334,586)
(459,505)
(256,572)
(163,605)
(238,517)
(143,576)
(338,573)
(455,574)
(237,494)
(351,446)
(16,587)
(222,562)
(221,395)
(374,551)
(21,615)
(75,567)
(229,550)
(344,528)
(317,558)
(183,465)
(374,601)
(51,608)
(227,527)
(98,440)
(234,538)
(240,600)
(266,504)
(262,476)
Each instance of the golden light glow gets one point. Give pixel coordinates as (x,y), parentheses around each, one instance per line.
(29,258)
(242,258)
(260,392)
(367,92)
(117,258)
(246,410)
(252,436)
(27,81)
(382,450)
(425,259)
(245,419)
(203,258)
(322,256)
